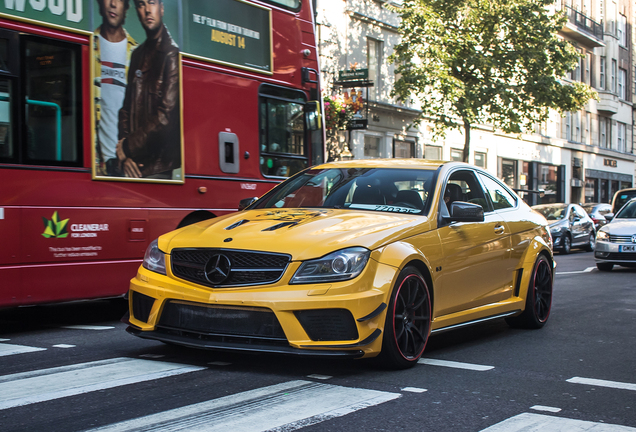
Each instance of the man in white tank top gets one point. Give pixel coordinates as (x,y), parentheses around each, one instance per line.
(113,47)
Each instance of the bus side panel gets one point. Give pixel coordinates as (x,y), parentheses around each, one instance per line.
(9,256)
(74,281)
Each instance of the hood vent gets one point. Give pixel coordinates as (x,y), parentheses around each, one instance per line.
(237,224)
(280,225)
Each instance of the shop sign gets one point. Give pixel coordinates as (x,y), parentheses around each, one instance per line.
(353,75)
(358,124)
(610,163)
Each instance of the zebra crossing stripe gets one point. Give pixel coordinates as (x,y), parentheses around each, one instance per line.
(454,364)
(545,423)
(48,384)
(282,407)
(10,349)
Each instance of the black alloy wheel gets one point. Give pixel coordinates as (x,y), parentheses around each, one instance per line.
(408,321)
(538,299)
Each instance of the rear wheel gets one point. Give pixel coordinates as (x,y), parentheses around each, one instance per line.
(408,321)
(538,299)
(605,266)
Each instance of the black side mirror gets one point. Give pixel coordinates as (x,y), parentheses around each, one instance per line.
(246,202)
(461,211)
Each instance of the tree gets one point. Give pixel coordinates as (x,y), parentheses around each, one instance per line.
(497,62)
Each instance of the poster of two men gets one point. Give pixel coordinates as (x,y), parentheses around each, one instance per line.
(137,93)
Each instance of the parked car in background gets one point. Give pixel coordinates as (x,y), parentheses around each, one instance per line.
(597,212)
(616,241)
(350,259)
(570,226)
(621,197)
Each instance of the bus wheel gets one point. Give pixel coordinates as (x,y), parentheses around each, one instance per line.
(195,217)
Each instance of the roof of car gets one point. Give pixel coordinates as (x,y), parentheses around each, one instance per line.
(389,163)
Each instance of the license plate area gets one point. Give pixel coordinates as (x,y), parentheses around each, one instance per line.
(627,248)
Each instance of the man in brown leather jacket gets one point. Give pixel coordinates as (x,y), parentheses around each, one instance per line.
(149,121)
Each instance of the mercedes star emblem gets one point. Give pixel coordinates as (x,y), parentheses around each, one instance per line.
(217,269)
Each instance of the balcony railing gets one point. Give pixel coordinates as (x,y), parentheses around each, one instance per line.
(583,22)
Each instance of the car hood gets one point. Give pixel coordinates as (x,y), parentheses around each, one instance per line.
(621,227)
(303,233)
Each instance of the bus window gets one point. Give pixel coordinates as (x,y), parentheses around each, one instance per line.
(51,103)
(282,130)
(6,138)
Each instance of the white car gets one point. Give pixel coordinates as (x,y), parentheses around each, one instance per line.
(616,241)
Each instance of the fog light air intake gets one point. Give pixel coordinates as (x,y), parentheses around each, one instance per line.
(141,306)
(328,324)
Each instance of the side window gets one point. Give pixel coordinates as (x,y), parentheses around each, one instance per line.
(579,212)
(40,101)
(282,131)
(498,194)
(463,186)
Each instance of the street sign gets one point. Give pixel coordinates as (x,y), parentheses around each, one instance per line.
(353,75)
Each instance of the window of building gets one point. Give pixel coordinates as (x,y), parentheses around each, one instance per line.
(588,69)
(371,146)
(613,76)
(601,81)
(44,126)
(507,171)
(568,126)
(480,159)
(620,144)
(587,130)
(622,30)
(457,155)
(403,149)
(433,152)
(604,132)
(374,63)
(622,77)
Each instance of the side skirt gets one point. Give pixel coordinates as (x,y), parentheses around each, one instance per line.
(477,321)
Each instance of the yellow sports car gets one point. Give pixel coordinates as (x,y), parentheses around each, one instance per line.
(355,258)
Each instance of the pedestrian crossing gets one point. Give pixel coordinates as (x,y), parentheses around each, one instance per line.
(285,406)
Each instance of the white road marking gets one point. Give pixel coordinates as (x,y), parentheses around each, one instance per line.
(587,270)
(452,364)
(320,377)
(10,349)
(63,346)
(87,327)
(528,422)
(5,340)
(603,383)
(545,408)
(413,389)
(54,383)
(281,407)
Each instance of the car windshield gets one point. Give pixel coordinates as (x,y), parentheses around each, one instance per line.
(627,212)
(377,189)
(552,212)
(623,197)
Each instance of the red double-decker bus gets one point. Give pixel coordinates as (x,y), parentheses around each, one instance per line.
(124,119)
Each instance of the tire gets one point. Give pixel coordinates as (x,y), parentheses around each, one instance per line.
(538,299)
(408,321)
(567,244)
(605,267)
(592,243)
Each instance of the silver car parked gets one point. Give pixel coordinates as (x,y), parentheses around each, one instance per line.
(570,226)
(616,241)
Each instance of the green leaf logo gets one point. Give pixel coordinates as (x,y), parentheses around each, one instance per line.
(55,228)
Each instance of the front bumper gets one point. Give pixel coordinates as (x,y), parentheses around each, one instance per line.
(608,252)
(341,319)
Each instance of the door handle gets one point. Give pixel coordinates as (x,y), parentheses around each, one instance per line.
(499,229)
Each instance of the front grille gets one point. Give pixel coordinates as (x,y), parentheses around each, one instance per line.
(141,306)
(620,239)
(621,256)
(245,267)
(328,324)
(221,322)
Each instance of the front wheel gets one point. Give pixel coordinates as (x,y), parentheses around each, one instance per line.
(538,299)
(567,244)
(592,243)
(408,321)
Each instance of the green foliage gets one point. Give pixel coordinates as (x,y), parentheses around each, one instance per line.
(55,227)
(495,62)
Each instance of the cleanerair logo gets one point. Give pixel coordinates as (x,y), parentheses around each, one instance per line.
(55,228)
(71,8)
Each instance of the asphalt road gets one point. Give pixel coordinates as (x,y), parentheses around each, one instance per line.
(73,367)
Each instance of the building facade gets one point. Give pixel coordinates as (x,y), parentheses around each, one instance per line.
(582,156)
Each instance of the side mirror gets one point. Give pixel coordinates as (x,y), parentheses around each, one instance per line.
(313,116)
(466,212)
(246,202)
(609,216)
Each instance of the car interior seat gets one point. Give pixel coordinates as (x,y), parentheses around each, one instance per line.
(368,193)
(410,197)
(454,193)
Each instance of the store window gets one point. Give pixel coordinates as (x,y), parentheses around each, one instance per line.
(403,149)
(433,152)
(371,146)
(548,182)
(507,171)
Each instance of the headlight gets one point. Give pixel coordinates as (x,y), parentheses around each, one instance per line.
(337,266)
(154,259)
(555,231)
(602,235)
